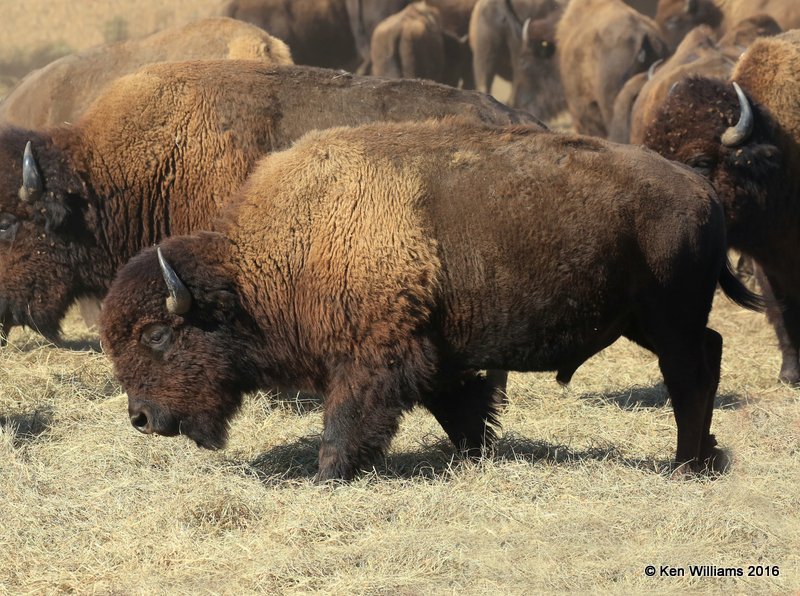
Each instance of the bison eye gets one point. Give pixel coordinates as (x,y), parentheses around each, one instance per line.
(157,337)
(8,226)
(702,165)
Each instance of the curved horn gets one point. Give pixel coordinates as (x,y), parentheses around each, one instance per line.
(524,34)
(736,135)
(179,300)
(31,178)
(652,70)
(690,7)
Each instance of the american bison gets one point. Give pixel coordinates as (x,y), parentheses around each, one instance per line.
(516,40)
(412,44)
(158,154)
(745,137)
(602,44)
(61,91)
(382,266)
(677,17)
(317,31)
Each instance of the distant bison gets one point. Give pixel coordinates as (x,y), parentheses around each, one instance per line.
(158,154)
(602,44)
(677,17)
(746,139)
(412,44)
(61,91)
(317,31)
(516,40)
(381,266)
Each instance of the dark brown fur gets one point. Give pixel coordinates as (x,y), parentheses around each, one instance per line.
(317,31)
(379,266)
(602,44)
(756,181)
(500,47)
(159,153)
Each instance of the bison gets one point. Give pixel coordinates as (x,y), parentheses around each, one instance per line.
(382,266)
(745,137)
(157,154)
(677,17)
(61,91)
(516,40)
(602,44)
(412,44)
(317,31)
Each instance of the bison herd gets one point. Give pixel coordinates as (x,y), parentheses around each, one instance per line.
(327,198)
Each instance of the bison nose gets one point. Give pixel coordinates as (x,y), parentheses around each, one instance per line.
(142,420)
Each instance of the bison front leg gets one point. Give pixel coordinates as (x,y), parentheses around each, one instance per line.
(363,407)
(784,315)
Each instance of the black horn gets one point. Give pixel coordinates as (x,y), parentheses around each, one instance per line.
(31,178)
(736,135)
(179,300)
(690,7)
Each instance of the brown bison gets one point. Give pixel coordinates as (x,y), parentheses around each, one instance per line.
(602,44)
(746,138)
(516,40)
(157,154)
(61,91)
(381,266)
(413,45)
(365,15)
(317,31)
(677,17)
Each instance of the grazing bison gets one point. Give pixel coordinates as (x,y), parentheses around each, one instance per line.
(516,40)
(62,90)
(381,266)
(157,154)
(602,44)
(746,139)
(317,31)
(413,45)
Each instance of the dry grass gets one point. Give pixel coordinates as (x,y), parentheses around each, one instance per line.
(572,500)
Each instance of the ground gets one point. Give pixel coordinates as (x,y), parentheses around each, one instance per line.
(573,499)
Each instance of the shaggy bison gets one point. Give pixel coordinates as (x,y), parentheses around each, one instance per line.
(157,154)
(61,91)
(746,138)
(381,266)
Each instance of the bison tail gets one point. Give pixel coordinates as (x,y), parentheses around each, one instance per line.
(737,291)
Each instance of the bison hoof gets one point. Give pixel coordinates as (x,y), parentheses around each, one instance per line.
(790,374)
(714,464)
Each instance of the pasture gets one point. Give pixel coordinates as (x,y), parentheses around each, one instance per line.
(573,499)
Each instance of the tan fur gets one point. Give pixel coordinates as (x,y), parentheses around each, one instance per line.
(61,91)
(770,72)
(600,47)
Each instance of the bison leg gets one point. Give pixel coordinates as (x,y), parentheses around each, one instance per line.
(784,315)
(363,406)
(467,409)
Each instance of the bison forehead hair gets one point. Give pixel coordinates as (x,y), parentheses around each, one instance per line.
(174,364)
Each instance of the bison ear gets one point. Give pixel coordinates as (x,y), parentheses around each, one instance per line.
(223,304)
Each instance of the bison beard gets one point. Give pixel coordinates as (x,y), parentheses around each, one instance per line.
(382,266)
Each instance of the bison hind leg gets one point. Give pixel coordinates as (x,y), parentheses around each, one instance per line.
(467,407)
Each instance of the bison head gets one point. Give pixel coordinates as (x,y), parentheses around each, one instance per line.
(40,220)
(713,127)
(180,342)
(677,17)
